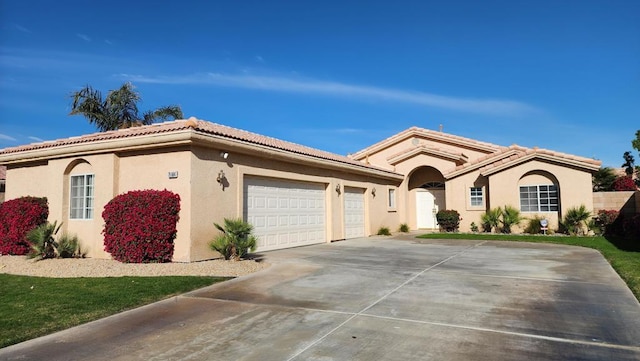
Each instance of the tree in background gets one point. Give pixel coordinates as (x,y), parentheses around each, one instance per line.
(629,162)
(119,109)
(603,179)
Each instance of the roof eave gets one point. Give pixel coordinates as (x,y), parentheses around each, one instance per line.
(458,158)
(147,141)
(591,167)
(209,140)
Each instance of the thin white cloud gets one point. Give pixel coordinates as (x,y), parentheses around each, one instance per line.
(84,37)
(312,86)
(259,59)
(6,137)
(108,42)
(22,28)
(36,139)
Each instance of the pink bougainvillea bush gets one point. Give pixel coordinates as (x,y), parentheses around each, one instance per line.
(624,183)
(140,226)
(18,217)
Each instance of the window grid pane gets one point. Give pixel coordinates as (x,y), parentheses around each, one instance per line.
(476,196)
(541,198)
(81,194)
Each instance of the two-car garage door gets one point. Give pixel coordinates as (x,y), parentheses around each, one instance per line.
(285,213)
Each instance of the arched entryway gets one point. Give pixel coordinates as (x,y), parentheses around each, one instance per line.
(427,188)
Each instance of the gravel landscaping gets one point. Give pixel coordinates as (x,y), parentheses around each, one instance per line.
(93,267)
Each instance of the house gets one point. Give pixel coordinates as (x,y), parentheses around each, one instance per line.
(292,194)
(446,171)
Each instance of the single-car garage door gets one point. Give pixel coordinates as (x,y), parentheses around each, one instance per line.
(285,213)
(353,212)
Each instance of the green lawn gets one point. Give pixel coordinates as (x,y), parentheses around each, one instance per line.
(35,306)
(623,255)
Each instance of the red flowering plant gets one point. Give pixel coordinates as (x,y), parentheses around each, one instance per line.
(140,226)
(624,183)
(18,217)
(605,220)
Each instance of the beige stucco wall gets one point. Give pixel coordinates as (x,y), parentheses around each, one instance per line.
(150,170)
(500,188)
(574,187)
(203,200)
(212,202)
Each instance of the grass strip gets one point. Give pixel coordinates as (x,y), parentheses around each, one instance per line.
(622,254)
(35,306)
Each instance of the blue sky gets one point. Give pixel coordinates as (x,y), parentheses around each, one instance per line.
(336,75)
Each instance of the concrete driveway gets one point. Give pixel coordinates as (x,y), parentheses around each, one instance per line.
(380,299)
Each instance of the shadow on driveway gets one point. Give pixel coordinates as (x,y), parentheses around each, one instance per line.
(380,299)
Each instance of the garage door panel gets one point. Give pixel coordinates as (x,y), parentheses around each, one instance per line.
(285,213)
(354,212)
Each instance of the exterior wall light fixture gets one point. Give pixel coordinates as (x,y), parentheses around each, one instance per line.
(224,155)
(373,191)
(338,190)
(220,177)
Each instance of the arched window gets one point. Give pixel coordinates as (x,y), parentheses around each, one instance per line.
(81,190)
(539,192)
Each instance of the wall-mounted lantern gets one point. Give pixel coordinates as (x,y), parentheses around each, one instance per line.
(220,177)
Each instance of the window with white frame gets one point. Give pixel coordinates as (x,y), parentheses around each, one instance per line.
(81,202)
(476,197)
(392,198)
(539,198)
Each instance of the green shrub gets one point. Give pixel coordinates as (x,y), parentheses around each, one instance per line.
(474,227)
(491,219)
(510,217)
(384,231)
(404,228)
(449,220)
(575,220)
(605,219)
(43,243)
(236,239)
(533,225)
(69,247)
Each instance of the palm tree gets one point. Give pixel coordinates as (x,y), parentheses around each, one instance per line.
(491,219)
(510,217)
(575,219)
(43,244)
(236,239)
(118,110)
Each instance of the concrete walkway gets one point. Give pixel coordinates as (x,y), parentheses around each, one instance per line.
(380,299)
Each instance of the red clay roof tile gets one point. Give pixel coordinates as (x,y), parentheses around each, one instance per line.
(199,126)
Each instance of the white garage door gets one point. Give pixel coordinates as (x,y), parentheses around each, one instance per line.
(284,213)
(353,212)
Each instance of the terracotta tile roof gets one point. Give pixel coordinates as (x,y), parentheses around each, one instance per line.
(199,126)
(515,153)
(3,172)
(427,133)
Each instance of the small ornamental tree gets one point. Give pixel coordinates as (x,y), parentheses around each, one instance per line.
(449,220)
(18,217)
(624,183)
(140,226)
